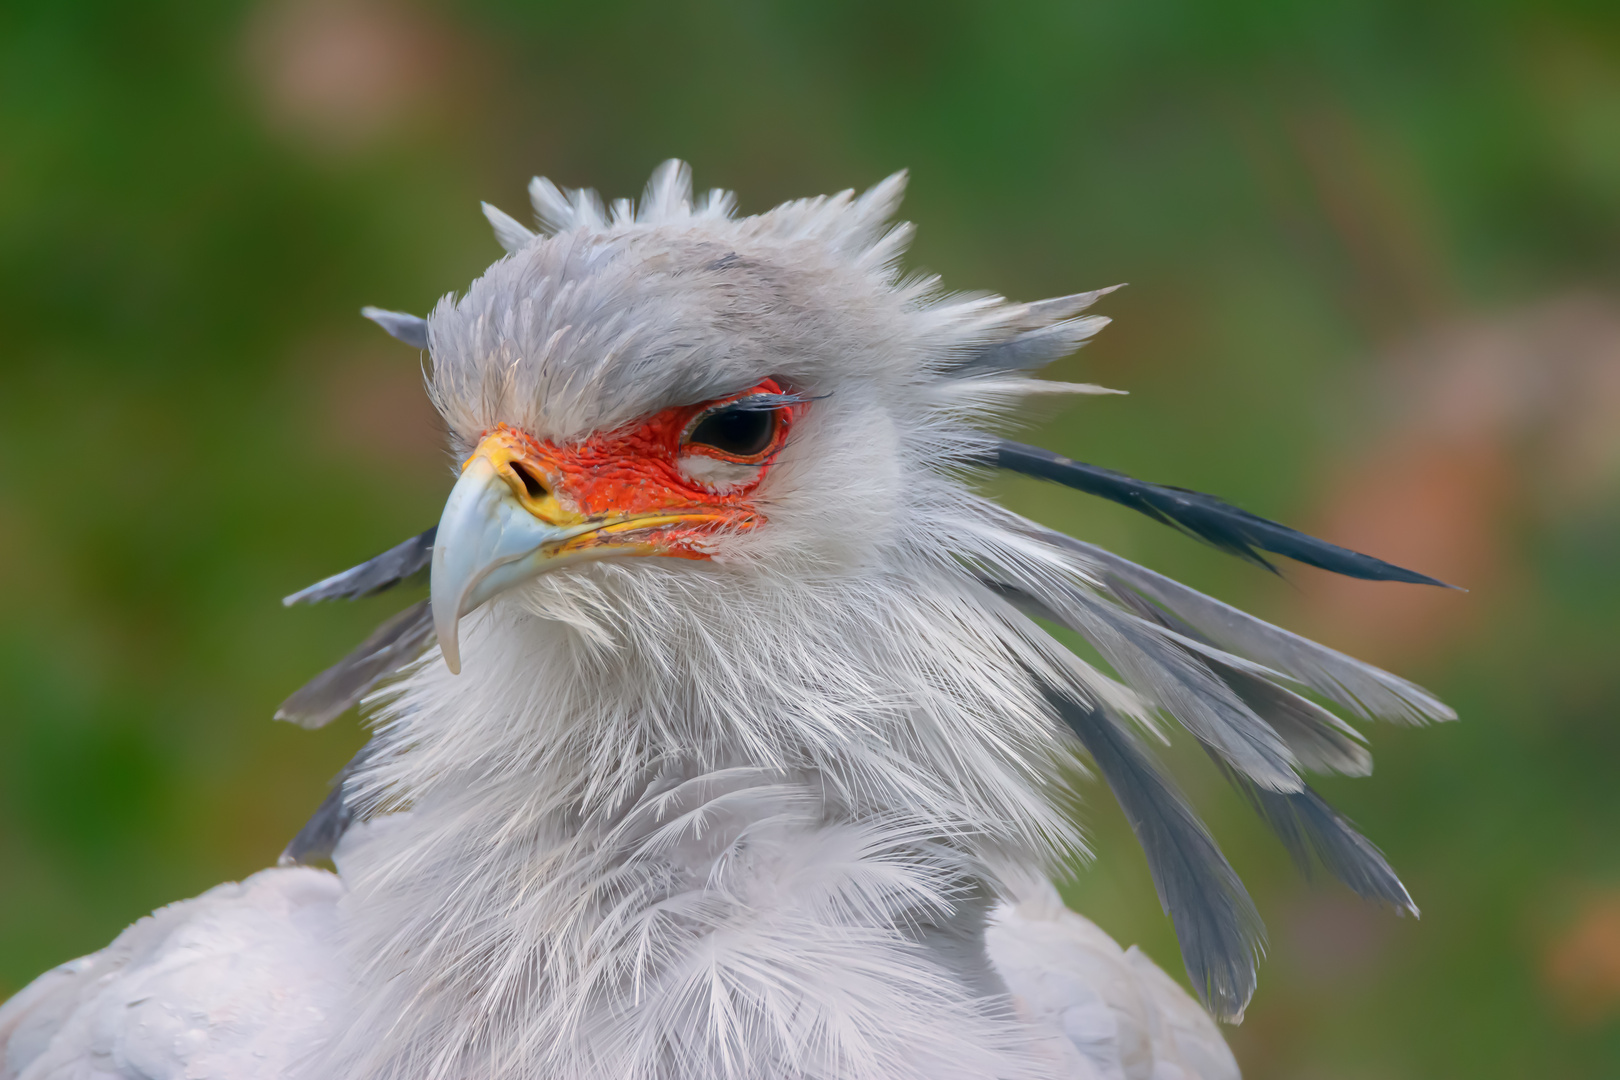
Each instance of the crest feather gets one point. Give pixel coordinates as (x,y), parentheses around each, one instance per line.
(509,233)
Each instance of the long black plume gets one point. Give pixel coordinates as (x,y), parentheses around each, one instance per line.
(397,564)
(1206,517)
(1216,923)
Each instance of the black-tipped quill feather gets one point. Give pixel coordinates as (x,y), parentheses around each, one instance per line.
(1216,923)
(1365,690)
(1305,822)
(1206,517)
(1312,830)
(1183,686)
(1320,741)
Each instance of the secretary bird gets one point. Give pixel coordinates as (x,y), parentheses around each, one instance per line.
(730,743)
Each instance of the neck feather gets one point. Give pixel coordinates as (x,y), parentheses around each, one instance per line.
(740,808)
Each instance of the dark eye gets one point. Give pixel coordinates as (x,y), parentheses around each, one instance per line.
(738,431)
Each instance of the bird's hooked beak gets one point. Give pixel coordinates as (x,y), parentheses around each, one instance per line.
(487,541)
(510,518)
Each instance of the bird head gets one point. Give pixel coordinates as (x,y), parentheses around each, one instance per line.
(669,383)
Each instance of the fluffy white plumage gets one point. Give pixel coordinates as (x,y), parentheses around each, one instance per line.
(240,982)
(246,981)
(785,812)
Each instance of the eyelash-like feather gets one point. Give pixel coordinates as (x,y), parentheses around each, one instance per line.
(760,403)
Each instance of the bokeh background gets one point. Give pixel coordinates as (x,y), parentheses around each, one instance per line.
(1372,249)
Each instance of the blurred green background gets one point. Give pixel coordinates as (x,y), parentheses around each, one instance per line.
(1372,250)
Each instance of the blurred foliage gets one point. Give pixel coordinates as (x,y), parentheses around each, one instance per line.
(1372,248)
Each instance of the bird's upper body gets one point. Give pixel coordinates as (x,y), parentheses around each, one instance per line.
(740,754)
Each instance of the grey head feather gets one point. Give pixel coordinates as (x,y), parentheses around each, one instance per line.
(1042,332)
(1200,701)
(668,196)
(559,211)
(1033,348)
(394,644)
(509,233)
(1043,312)
(551,207)
(1309,828)
(1319,740)
(411,329)
(669,191)
(401,639)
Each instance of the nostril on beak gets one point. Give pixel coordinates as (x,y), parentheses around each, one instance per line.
(531,483)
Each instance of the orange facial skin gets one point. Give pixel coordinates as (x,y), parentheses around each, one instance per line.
(631,482)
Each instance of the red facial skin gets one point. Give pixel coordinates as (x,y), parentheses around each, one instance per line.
(633,472)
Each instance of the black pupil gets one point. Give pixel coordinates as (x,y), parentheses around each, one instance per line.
(741,432)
